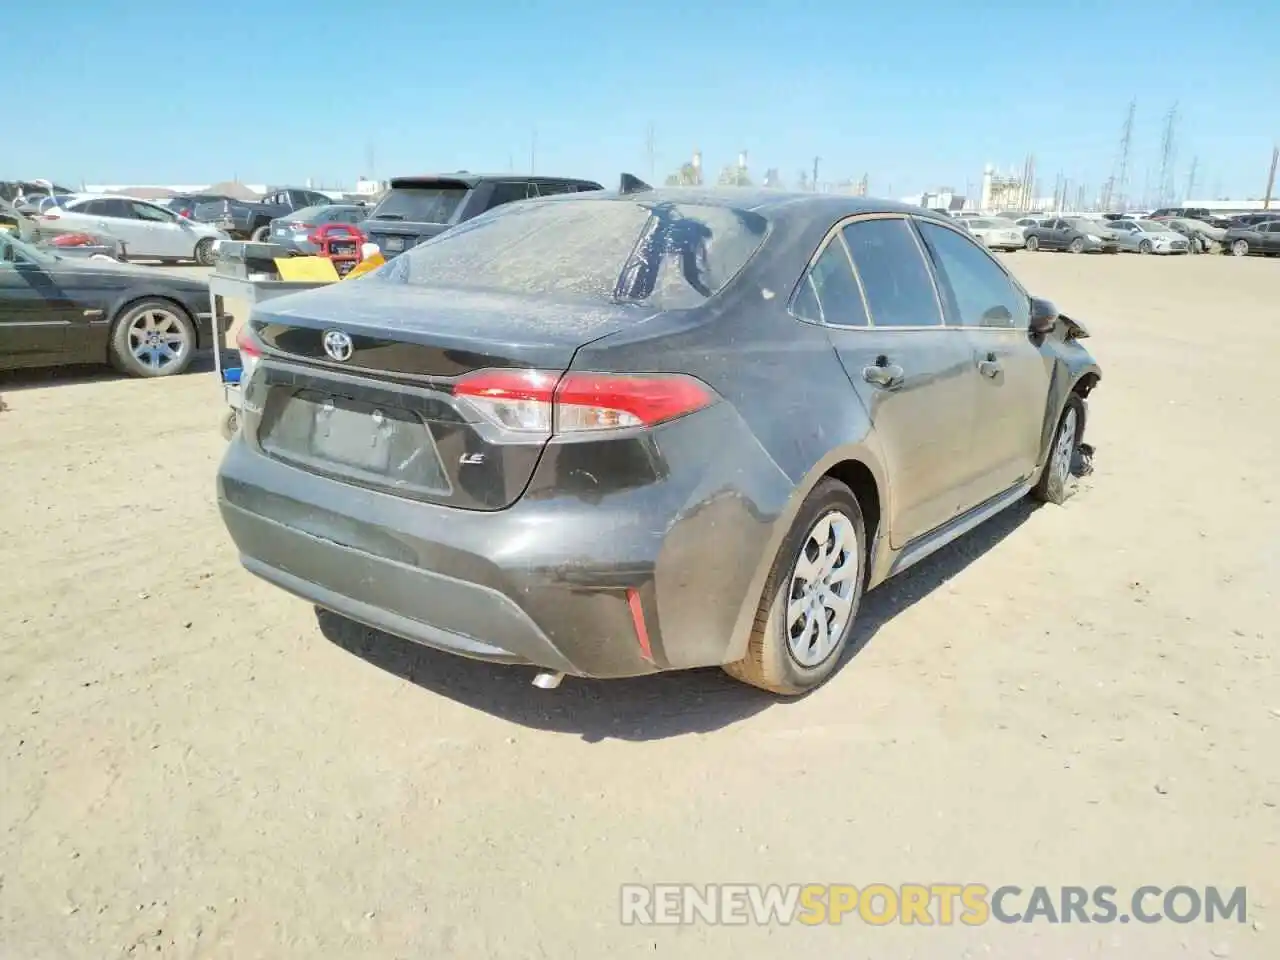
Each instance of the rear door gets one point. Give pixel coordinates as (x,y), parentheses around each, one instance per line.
(872,288)
(1270,233)
(994,313)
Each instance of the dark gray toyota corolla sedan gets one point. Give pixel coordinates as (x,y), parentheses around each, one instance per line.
(615,433)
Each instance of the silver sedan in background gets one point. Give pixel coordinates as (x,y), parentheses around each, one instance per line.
(996,233)
(1147,236)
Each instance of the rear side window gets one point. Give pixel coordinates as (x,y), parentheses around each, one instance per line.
(895,277)
(671,255)
(980,293)
(829,292)
(509,192)
(420,204)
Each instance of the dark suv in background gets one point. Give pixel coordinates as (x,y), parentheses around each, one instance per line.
(415,209)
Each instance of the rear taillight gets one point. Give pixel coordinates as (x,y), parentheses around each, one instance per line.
(73,240)
(250,352)
(540,401)
(186,213)
(298,226)
(48,216)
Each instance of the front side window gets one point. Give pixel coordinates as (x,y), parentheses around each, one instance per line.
(980,293)
(145,211)
(894,275)
(829,292)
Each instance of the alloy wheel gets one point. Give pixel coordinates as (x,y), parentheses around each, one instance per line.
(157,339)
(1064,447)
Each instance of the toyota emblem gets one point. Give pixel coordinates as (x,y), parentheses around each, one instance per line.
(337,345)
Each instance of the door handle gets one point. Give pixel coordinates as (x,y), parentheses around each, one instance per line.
(989,366)
(888,375)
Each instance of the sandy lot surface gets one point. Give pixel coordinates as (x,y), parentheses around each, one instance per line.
(193,766)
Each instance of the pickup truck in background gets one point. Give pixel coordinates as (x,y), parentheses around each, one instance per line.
(251,220)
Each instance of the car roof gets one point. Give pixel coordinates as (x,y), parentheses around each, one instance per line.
(776,204)
(472,180)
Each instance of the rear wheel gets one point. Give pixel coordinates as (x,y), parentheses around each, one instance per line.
(1076,246)
(1145,246)
(260,235)
(1033,244)
(810,602)
(1240,248)
(1054,485)
(204,252)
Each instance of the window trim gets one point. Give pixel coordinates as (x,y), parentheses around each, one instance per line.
(837,229)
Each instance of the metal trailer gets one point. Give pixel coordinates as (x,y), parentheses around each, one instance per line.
(251,292)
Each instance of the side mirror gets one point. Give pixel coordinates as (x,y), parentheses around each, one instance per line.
(1044,316)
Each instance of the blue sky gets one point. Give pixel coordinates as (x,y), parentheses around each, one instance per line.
(915,94)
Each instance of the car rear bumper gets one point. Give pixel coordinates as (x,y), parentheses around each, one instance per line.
(553,581)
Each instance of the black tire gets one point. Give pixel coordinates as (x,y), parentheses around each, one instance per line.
(123,340)
(1076,246)
(1145,246)
(1054,485)
(229,424)
(1033,244)
(204,252)
(261,234)
(770,662)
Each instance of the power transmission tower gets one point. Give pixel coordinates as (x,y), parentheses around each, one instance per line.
(1168,154)
(1191,178)
(533,151)
(1114,194)
(815,173)
(650,147)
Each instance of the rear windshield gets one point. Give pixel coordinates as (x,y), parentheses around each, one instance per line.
(672,255)
(420,204)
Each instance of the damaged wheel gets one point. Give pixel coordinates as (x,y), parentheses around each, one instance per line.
(1054,485)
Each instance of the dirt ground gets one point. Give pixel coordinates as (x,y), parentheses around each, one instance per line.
(194,766)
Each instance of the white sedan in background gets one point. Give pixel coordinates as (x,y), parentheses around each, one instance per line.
(148,230)
(996,233)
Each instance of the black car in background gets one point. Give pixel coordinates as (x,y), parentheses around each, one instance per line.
(1262,238)
(1073,234)
(415,209)
(1203,214)
(1252,219)
(56,309)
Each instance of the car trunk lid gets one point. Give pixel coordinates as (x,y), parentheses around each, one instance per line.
(357,383)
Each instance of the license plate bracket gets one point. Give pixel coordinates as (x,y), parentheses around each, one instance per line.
(352,438)
(394,244)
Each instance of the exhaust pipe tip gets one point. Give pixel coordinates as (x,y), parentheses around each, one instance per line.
(547,680)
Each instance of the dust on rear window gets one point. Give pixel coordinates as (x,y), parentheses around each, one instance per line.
(420,204)
(667,254)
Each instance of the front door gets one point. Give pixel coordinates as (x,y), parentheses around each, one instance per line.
(160,231)
(1013,375)
(913,376)
(33,318)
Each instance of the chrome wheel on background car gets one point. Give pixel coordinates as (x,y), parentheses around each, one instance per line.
(1240,248)
(1033,244)
(153,338)
(1076,246)
(820,598)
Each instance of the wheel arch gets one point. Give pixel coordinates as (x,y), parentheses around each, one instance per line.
(860,468)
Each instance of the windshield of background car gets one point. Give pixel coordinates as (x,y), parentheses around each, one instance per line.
(1086,226)
(1151,226)
(420,204)
(990,224)
(672,255)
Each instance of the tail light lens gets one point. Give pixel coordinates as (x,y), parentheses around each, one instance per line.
(250,352)
(298,226)
(541,401)
(48,216)
(73,240)
(186,213)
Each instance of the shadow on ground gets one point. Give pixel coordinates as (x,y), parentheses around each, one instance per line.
(645,708)
(14,381)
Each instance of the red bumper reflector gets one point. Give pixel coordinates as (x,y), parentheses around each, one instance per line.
(637,616)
